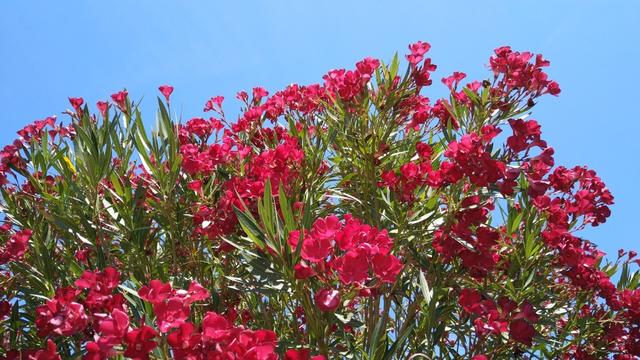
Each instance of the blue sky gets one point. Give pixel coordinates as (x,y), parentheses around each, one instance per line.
(207,48)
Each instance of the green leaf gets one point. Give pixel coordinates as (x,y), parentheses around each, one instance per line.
(424,286)
(251,228)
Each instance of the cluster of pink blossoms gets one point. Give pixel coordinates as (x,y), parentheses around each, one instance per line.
(16,244)
(515,71)
(358,254)
(11,162)
(505,316)
(469,239)
(96,311)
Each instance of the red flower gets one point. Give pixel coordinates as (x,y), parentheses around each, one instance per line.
(120,98)
(61,315)
(526,134)
(353,267)
(368,66)
(452,81)
(386,267)
(315,249)
(527,312)
(114,327)
(140,343)
(259,93)
(185,341)
(424,150)
(77,104)
(99,281)
(156,292)
(294,238)
(101,285)
(166,90)
(215,327)
(303,271)
(301,354)
(199,127)
(98,350)
(242,96)
(49,353)
(196,292)
(16,246)
(327,300)
(171,313)
(417,52)
(5,309)
(102,107)
(214,104)
(326,228)
(521,331)
(470,300)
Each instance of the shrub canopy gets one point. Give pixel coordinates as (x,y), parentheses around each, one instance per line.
(355,218)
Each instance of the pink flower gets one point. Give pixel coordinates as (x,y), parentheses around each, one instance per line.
(166,90)
(196,292)
(140,343)
(259,93)
(353,267)
(102,107)
(214,104)
(61,315)
(171,313)
(16,246)
(326,228)
(315,249)
(215,327)
(327,300)
(418,50)
(386,267)
(521,331)
(156,292)
(114,327)
(77,104)
(303,271)
(120,98)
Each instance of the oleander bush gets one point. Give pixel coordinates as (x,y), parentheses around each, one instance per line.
(350,219)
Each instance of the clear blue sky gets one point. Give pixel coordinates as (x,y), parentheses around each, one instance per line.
(51,50)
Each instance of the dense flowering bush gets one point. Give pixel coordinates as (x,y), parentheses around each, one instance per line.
(355,218)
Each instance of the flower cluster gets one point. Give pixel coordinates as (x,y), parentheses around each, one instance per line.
(516,73)
(279,165)
(467,158)
(102,318)
(468,238)
(501,317)
(16,245)
(357,253)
